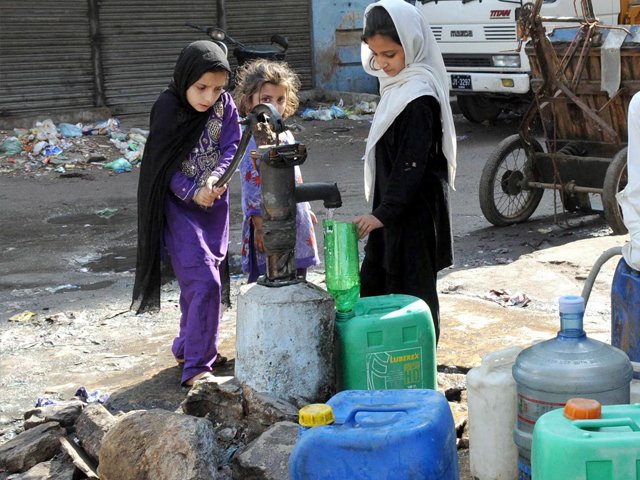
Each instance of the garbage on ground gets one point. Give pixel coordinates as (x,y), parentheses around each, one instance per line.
(91,397)
(69,130)
(340,111)
(11,146)
(60,288)
(22,317)
(45,147)
(506,299)
(120,165)
(107,212)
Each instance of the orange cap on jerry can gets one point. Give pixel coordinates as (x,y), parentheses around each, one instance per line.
(582,409)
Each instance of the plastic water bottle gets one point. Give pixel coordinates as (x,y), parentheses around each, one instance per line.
(570,365)
(342,263)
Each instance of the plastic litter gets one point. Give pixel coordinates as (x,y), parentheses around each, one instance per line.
(70,130)
(92,397)
(11,146)
(365,107)
(324,114)
(38,147)
(52,150)
(107,212)
(119,165)
(22,317)
(44,401)
(45,130)
(68,286)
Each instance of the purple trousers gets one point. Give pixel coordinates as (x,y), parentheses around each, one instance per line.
(197,242)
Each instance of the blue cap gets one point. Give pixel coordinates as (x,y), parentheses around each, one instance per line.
(571,304)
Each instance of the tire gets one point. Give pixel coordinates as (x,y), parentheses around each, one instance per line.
(614,181)
(504,199)
(477,108)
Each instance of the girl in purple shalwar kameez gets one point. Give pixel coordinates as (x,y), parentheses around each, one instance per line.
(265,81)
(194,134)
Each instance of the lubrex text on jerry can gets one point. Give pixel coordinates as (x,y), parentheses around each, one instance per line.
(386,342)
(382,434)
(587,441)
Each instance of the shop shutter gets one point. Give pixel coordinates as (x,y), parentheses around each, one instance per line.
(254,21)
(45,57)
(140,42)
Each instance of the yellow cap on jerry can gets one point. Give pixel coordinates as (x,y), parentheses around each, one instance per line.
(315,415)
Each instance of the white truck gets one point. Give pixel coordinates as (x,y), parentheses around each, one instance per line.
(479,40)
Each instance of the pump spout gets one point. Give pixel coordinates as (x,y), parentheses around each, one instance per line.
(328,192)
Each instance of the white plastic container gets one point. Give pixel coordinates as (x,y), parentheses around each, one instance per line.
(491,392)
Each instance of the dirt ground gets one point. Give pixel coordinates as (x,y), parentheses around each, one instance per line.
(72,267)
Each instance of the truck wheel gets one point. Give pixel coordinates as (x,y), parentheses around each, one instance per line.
(614,181)
(505,198)
(477,108)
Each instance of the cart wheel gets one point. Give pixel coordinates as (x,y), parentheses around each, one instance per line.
(614,181)
(477,108)
(504,197)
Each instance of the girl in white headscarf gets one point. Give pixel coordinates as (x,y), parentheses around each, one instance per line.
(410,157)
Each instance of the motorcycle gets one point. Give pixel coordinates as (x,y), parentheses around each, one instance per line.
(241,52)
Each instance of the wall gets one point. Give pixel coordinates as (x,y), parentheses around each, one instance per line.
(337,26)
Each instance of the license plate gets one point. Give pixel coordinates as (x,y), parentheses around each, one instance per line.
(461,82)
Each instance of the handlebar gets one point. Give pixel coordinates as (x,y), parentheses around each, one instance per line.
(219,35)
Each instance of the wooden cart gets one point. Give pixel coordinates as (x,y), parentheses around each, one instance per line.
(583,79)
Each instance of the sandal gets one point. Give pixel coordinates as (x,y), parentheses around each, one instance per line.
(200,377)
(219,361)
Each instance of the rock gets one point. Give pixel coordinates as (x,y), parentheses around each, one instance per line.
(221,403)
(31,447)
(62,468)
(452,384)
(79,458)
(41,471)
(94,422)
(267,457)
(160,445)
(460,416)
(263,411)
(65,413)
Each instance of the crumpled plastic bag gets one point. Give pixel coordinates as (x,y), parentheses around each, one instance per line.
(70,130)
(324,113)
(11,146)
(119,165)
(45,130)
(91,397)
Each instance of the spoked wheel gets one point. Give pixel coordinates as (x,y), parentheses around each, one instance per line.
(614,181)
(505,197)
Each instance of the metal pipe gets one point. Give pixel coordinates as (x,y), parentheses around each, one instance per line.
(566,188)
(328,192)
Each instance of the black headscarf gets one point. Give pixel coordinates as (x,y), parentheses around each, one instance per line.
(175,127)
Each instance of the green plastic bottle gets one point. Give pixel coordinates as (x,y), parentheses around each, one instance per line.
(342,263)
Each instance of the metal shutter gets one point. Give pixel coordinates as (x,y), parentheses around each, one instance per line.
(141,40)
(252,22)
(45,57)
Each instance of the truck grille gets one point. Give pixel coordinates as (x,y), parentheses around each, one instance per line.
(470,60)
(437,32)
(500,32)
